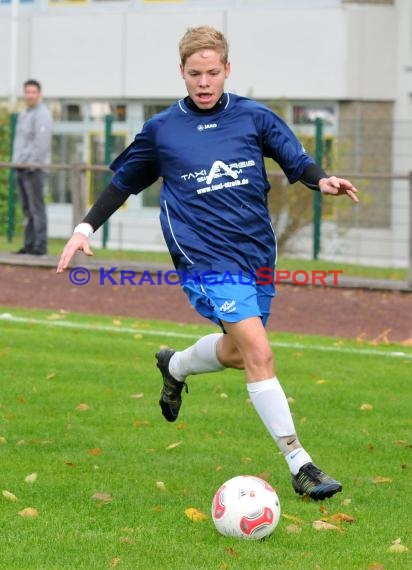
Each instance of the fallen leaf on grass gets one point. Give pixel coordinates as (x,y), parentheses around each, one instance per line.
(293,529)
(231,551)
(29,512)
(380,479)
(322,525)
(160,485)
(82,408)
(195,515)
(94,451)
(115,561)
(137,396)
(376,566)
(9,496)
(292,518)
(105,497)
(140,423)
(398,548)
(31,478)
(339,517)
(397,442)
(56,316)
(126,540)
(366,407)
(382,338)
(174,445)
(3,440)
(265,475)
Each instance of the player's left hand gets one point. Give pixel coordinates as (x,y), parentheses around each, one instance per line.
(338,187)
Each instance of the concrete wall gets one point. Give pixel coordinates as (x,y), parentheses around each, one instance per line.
(341,52)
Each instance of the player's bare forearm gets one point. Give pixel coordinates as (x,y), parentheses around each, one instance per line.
(338,187)
(78,242)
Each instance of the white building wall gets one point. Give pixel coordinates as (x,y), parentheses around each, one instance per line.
(342,52)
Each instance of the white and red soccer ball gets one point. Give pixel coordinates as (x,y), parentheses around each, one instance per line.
(246,507)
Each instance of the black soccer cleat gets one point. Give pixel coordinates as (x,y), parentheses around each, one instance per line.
(313,482)
(171,393)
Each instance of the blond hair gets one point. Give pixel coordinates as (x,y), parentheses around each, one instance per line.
(203,37)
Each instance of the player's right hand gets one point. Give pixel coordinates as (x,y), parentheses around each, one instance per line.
(78,242)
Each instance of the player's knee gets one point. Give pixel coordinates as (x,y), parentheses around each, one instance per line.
(259,356)
(231,358)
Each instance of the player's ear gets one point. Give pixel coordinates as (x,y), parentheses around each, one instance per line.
(227,70)
(182,73)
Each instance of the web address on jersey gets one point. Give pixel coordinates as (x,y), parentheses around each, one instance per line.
(263,276)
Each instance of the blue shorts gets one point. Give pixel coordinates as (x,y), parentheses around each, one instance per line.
(229,298)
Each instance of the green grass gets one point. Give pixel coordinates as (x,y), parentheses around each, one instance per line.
(119,446)
(284,263)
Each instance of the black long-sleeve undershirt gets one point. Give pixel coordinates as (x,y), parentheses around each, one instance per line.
(106,204)
(311,176)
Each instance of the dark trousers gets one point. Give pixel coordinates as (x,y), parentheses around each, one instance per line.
(31,185)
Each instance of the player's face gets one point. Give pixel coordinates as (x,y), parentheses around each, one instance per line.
(204,75)
(31,95)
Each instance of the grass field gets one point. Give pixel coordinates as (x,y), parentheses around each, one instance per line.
(78,408)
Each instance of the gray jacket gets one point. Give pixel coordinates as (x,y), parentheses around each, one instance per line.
(32,142)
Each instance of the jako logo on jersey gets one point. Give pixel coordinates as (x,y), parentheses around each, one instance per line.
(228,307)
(217,168)
(207,126)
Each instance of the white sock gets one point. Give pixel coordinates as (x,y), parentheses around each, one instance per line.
(296,458)
(198,358)
(271,404)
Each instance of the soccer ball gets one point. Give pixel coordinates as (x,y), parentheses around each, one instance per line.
(246,507)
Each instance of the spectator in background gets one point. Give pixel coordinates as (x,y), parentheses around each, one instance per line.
(32,145)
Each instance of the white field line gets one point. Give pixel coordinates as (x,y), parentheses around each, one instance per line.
(175,334)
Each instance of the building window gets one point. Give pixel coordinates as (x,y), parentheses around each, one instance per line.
(307,114)
(71,112)
(67,2)
(119,112)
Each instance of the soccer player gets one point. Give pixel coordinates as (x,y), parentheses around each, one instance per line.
(209,148)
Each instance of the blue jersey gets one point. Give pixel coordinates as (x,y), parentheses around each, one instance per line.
(213,200)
